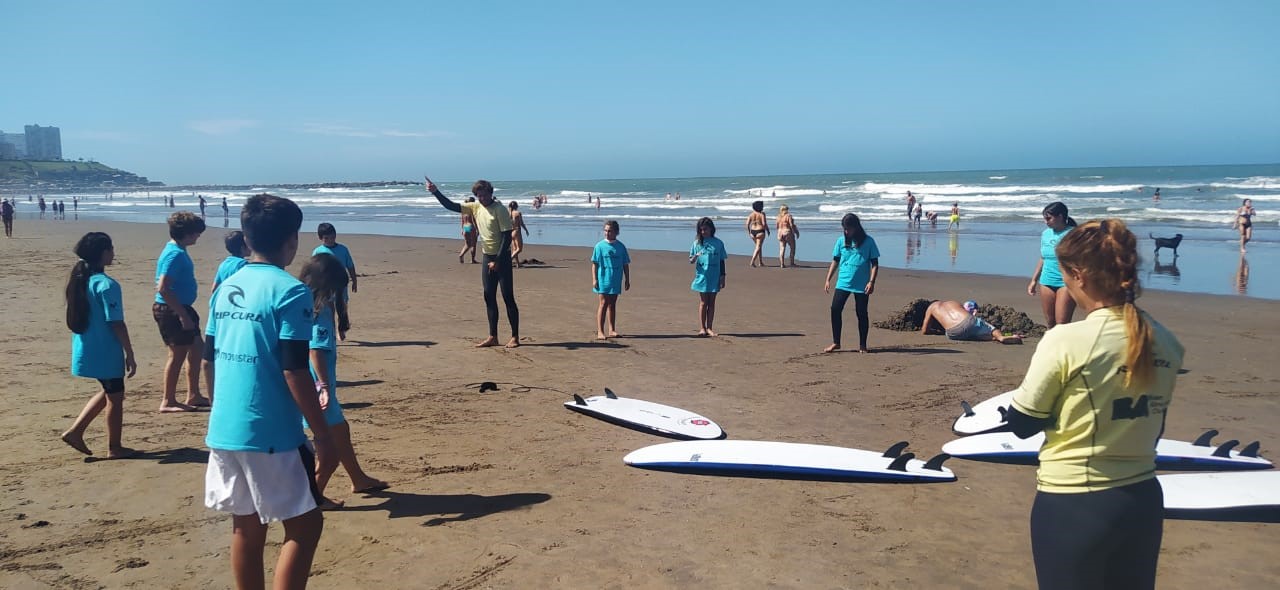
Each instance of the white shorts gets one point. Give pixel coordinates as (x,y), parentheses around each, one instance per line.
(275,486)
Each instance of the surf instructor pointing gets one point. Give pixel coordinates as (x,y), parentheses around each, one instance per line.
(493,223)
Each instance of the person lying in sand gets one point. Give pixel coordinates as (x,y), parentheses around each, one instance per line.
(961,322)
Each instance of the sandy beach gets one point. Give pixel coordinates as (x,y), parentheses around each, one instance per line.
(507,489)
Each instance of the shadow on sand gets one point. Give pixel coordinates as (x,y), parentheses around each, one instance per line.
(423,343)
(164,457)
(448,507)
(342,383)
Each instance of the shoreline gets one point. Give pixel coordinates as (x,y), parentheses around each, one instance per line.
(507,489)
(979,248)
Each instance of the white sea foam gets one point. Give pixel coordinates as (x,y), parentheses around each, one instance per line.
(1004,177)
(963,189)
(1092,177)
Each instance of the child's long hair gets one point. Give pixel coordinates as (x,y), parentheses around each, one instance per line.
(1106,253)
(327,278)
(705,222)
(1056,209)
(853,233)
(90,249)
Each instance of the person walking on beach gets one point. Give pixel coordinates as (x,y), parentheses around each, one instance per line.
(100,345)
(1099,389)
(493,223)
(1055,300)
(708,255)
(757,229)
(177,320)
(260,466)
(955,216)
(6,214)
(610,276)
(961,322)
(327,278)
(225,210)
(1244,221)
(788,233)
(203,203)
(858,259)
(329,245)
(42,206)
(517,241)
(468,234)
(917,213)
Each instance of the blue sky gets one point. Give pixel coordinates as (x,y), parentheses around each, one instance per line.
(257,92)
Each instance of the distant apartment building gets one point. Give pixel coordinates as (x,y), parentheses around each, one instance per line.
(13,146)
(43,143)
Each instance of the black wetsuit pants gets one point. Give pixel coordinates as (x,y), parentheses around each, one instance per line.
(837,312)
(1098,540)
(502,276)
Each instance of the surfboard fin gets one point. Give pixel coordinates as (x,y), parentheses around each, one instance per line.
(895,450)
(1004,413)
(1224,450)
(610,394)
(1204,439)
(900,464)
(1251,450)
(577,399)
(936,462)
(968,409)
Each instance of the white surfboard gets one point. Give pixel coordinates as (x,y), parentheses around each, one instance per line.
(986,416)
(646,416)
(746,458)
(1252,497)
(1005,447)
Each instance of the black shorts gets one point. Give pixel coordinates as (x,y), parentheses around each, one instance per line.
(113,385)
(171,327)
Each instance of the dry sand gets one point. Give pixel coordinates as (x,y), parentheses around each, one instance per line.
(507,489)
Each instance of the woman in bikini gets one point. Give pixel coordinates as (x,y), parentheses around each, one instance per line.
(787,235)
(1244,220)
(468,234)
(757,228)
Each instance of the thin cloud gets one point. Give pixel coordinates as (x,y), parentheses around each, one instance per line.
(349,131)
(222,126)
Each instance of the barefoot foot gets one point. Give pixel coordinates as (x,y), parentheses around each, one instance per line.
(175,407)
(711,333)
(76,442)
(490,341)
(832,348)
(614,335)
(369,486)
(513,342)
(197,401)
(601,336)
(121,453)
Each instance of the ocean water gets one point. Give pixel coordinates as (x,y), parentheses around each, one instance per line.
(998,234)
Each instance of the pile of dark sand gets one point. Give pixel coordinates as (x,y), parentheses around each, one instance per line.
(1007,319)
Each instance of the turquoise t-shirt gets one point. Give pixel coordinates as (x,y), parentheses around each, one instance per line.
(324,336)
(706,265)
(97,352)
(228,268)
(855,264)
(249,314)
(175,263)
(339,251)
(1050,274)
(609,259)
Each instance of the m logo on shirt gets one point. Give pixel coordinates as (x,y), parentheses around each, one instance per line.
(235,295)
(1126,408)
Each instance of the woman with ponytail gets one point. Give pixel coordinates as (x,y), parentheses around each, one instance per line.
(100,347)
(1057,305)
(1099,389)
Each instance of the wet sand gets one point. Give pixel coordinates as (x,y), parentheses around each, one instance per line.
(507,489)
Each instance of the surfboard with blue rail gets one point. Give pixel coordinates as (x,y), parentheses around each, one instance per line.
(783,460)
(1201,454)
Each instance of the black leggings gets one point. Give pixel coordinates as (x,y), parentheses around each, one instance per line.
(504,277)
(1106,539)
(860,308)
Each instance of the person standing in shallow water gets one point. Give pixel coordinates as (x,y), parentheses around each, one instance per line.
(757,230)
(858,260)
(493,223)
